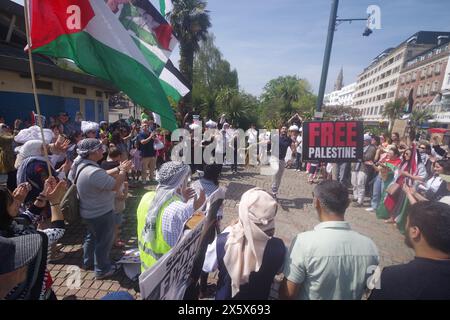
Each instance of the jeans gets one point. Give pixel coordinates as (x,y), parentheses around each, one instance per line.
(98,243)
(377,191)
(298,161)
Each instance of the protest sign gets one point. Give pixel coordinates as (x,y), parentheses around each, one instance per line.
(168,278)
(333,141)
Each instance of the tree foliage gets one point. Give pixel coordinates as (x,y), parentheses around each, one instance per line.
(284,96)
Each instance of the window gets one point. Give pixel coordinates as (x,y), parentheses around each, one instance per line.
(430,71)
(408,78)
(45,85)
(376,110)
(437,68)
(402,80)
(434,86)
(78,90)
(391,94)
(448,78)
(99,94)
(414,75)
(427,89)
(422,73)
(419,90)
(381,109)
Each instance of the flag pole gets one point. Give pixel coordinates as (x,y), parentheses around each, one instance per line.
(33,80)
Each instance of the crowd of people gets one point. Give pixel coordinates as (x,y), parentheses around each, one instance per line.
(408,184)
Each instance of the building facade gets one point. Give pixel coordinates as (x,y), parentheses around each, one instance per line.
(422,77)
(59,89)
(343,97)
(378,83)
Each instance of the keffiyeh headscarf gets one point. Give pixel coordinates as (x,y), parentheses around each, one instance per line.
(244,249)
(84,148)
(170,177)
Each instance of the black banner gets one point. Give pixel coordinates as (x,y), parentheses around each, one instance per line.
(333,141)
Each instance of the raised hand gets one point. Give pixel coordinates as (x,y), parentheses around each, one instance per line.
(21,192)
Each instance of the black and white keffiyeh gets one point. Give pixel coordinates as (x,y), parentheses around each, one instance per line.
(84,148)
(170,176)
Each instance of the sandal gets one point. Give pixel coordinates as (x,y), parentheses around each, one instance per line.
(389,221)
(56,256)
(119,244)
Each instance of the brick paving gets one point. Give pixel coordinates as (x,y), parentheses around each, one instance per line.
(296,215)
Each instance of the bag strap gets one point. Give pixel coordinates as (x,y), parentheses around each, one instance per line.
(79,171)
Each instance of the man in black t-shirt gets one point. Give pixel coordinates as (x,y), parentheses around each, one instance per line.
(428,275)
(284,143)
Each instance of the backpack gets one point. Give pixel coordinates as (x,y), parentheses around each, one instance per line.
(70,203)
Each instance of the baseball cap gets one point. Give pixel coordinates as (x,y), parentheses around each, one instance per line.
(18,251)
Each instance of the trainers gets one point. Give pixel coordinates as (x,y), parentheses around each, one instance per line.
(370,209)
(111,272)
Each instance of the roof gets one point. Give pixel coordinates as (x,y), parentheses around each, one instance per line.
(421,37)
(15,59)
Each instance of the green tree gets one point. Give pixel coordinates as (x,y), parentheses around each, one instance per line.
(190,21)
(417,118)
(287,95)
(393,110)
(240,107)
(212,73)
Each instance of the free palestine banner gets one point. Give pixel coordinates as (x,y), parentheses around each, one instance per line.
(333,141)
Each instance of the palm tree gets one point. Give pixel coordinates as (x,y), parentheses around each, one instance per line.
(393,110)
(190,22)
(418,117)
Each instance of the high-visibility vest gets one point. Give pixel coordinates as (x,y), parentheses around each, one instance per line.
(150,252)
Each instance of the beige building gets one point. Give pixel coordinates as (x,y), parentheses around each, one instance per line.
(378,83)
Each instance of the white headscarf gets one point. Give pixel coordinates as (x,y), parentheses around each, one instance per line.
(244,249)
(87,126)
(30,151)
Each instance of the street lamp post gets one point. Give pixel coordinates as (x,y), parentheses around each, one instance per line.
(326,58)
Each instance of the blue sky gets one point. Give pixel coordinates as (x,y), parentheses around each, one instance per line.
(264,39)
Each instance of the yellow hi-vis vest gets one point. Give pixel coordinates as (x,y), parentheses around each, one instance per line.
(150,252)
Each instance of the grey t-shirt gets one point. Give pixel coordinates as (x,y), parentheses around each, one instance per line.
(95,188)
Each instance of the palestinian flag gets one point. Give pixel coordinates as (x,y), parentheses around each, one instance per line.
(387,203)
(400,219)
(153,36)
(165,7)
(148,28)
(174,83)
(88,33)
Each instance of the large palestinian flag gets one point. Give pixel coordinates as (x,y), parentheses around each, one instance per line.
(154,37)
(87,32)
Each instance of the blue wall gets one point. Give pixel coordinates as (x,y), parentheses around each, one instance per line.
(89,110)
(20,105)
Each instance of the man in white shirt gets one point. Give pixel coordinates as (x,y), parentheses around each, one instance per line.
(331,261)
(252,135)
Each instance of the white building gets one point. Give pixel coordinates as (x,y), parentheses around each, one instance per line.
(378,83)
(442,115)
(343,97)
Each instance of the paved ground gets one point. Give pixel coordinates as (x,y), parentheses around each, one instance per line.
(296,215)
